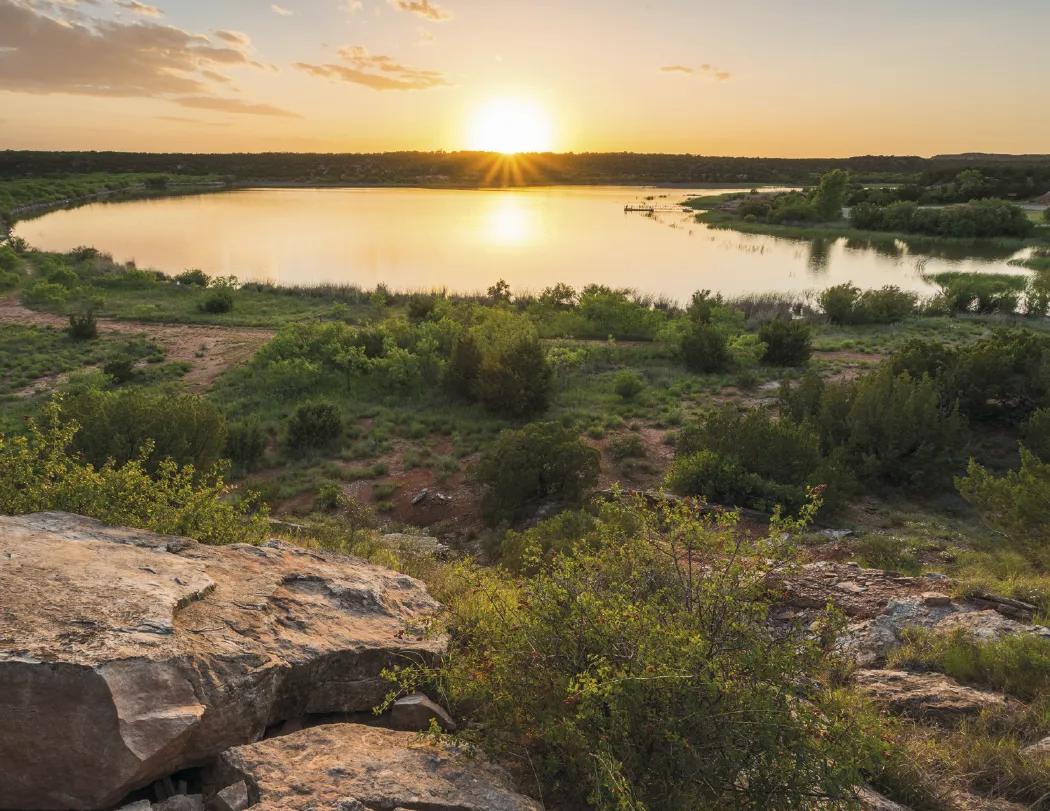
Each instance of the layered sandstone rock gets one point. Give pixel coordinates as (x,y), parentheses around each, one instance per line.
(126,655)
(361,768)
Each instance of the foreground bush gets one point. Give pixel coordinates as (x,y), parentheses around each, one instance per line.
(627,682)
(541,462)
(41,471)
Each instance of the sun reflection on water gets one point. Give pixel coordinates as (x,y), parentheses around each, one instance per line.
(509,222)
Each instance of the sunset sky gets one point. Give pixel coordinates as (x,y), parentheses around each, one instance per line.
(750,77)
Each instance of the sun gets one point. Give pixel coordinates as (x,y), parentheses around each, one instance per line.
(510,126)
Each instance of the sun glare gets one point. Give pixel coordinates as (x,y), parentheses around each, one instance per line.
(510,126)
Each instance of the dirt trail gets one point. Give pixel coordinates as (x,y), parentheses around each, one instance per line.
(210,350)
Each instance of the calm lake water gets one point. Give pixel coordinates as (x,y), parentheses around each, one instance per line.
(466,240)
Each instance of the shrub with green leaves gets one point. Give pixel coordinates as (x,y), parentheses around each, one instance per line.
(704,348)
(1037,434)
(246,443)
(524,468)
(83,326)
(513,376)
(313,426)
(43,295)
(117,425)
(630,682)
(42,471)
(788,342)
(1014,503)
(628,385)
(193,278)
(846,304)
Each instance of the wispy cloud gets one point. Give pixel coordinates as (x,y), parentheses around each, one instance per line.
(94,57)
(228,105)
(376,71)
(280,11)
(136,7)
(235,38)
(424,8)
(711,71)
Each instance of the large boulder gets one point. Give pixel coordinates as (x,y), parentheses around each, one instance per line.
(361,768)
(927,696)
(125,655)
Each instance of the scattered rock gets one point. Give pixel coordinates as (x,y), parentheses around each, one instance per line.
(349,766)
(857,592)
(835,534)
(934,598)
(1041,749)
(126,656)
(415,544)
(870,800)
(926,696)
(140,805)
(426,495)
(988,625)
(413,714)
(232,798)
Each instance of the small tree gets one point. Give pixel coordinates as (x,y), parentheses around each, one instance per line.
(540,462)
(831,194)
(704,348)
(513,376)
(313,426)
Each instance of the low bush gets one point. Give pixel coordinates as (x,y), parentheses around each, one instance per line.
(119,425)
(246,443)
(982,293)
(627,446)
(704,349)
(628,385)
(542,462)
(513,376)
(218,301)
(313,426)
(43,295)
(976,219)
(788,343)
(193,278)
(83,326)
(1037,434)
(1014,503)
(846,304)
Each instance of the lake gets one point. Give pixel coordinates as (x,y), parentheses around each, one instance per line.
(465,240)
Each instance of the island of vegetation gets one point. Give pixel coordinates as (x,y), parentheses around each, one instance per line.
(677,543)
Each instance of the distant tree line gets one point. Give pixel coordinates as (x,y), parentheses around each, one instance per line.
(476,168)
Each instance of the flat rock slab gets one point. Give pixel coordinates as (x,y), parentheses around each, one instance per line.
(927,696)
(126,655)
(361,768)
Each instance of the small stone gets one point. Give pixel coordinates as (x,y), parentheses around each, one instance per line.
(413,714)
(181,802)
(851,588)
(1040,749)
(936,598)
(233,798)
(138,805)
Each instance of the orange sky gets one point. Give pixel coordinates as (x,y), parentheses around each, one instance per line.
(755,77)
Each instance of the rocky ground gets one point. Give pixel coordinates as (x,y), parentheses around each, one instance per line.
(153,673)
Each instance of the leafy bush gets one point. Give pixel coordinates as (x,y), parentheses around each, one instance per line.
(630,683)
(45,296)
(313,426)
(219,300)
(118,425)
(628,384)
(788,343)
(704,348)
(40,471)
(846,304)
(541,462)
(976,219)
(614,313)
(330,497)
(1037,434)
(830,195)
(121,368)
(627,446)
(82,325)
(513,376)
(984,293)
(1003,377)
(246,443)
(746,351)
(839,302)
(194,278)
(1015,503)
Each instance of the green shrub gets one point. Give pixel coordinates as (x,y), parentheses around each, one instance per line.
(193,278)
(627,446)
(839,303)
(976,219)
(1014,503)
(1003,377)
(219,300)
(82,325)
(898,432)
(45,296)
(541,462)
(246,443)
(746,351)
(983,293)
(513,376)
(121,368)
(40,471)
(704,349)
(313,426)
(330,497)
(119,425)
(628,385)
(1037,434)
(630,683)
(614,313)
(527,551)
(788,343)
